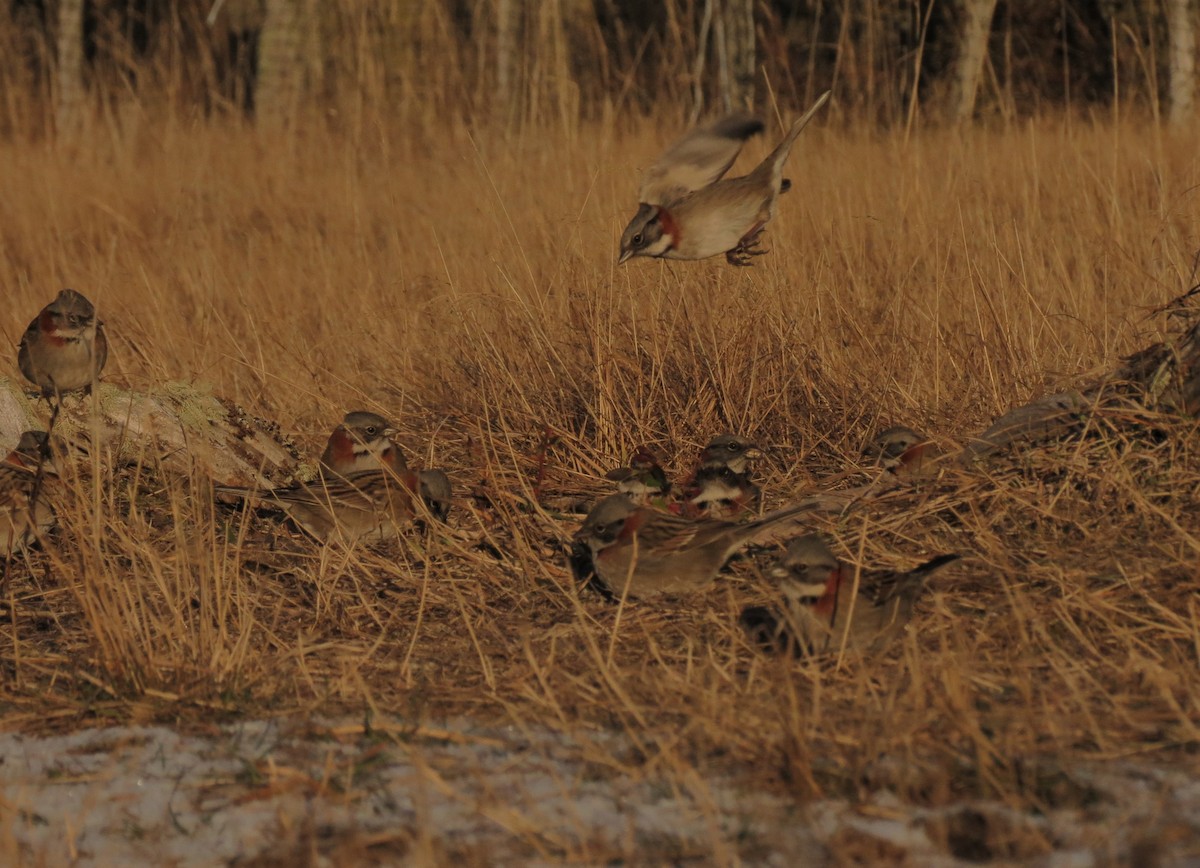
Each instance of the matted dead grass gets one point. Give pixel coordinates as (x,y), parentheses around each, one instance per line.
(465,285)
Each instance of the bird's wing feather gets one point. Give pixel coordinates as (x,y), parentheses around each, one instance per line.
(698,159)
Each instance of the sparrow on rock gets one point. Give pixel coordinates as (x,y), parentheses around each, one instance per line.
(687,211)
(64,349)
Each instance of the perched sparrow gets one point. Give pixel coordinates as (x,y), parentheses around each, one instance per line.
(721,486)
(363,442)
(903,451)
(644,480)
(687,211)
(643,552)
(25,510)
(819,601)
(64,348)
(369,504)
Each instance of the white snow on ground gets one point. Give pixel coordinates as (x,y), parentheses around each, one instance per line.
(125,796)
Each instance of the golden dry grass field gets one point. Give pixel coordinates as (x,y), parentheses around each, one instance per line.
(464,283)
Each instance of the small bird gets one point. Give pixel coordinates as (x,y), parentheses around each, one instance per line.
(686,210)
(366,505)
(363,441)
(25,508)
(436,492)
(903,451)
(643,481)
(64,349)
(32,449)
(722,486)
(819,600)
(644,552)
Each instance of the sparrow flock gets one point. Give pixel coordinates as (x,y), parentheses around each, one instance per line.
(647,539)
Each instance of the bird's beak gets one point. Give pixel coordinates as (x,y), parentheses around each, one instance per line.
(753,452)
(624,257)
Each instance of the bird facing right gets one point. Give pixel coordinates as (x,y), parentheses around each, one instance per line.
(363,441)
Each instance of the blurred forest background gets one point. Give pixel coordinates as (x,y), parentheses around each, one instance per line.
(533,62)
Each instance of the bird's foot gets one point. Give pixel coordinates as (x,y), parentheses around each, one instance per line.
(746,249)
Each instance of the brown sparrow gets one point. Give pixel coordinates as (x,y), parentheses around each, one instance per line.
(363,442)
(25,510)
(365,490)
(819,601)
(721,487)
(64,349)
(643,481)
(369,504)
(435,491)
(643,552)
(686,210)
(903,451)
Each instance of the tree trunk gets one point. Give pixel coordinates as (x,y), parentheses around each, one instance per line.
(280,71)
(1182,31)
(972,51)
(508,31)
(737,22)
(70,66)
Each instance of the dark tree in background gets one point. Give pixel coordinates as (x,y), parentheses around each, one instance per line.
(542,61)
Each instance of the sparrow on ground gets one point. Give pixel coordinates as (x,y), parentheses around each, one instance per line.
(722,486)
(64,349)
(643,481)
(368,504)
(819,600)
(644,552)
(25,509)
(686,210)
(903,451)
(363,441)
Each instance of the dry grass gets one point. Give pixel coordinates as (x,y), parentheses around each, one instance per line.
(465,284)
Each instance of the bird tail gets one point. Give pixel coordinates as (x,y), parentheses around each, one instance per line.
(773,164)
(931,566)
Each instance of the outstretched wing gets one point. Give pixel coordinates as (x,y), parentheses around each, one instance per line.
(698,159)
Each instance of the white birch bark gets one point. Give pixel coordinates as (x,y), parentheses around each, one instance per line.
(1181,28)
(70,67)
(972,51)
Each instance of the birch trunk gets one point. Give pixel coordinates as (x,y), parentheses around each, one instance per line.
(70,67)
(972,51)
(508,25)
(737,22)
(280,71)
(1182,31)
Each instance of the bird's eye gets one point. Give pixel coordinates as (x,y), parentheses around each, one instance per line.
(637,239)
(75,319)
(370,429)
